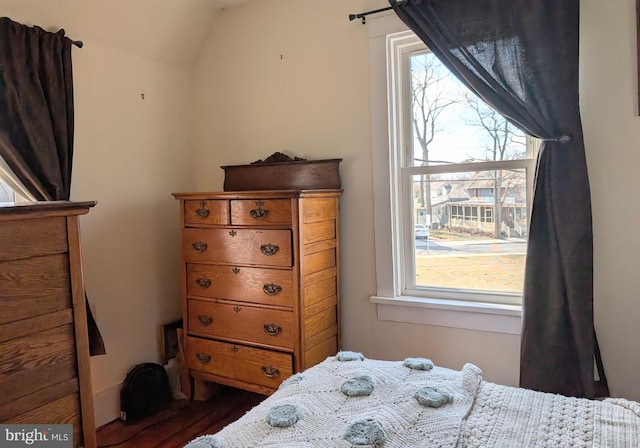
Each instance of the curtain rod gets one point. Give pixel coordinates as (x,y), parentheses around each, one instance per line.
(363,15)
(77,43)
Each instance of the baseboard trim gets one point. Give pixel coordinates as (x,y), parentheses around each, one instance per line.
(106,405)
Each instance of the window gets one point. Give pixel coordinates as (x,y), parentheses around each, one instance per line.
(6,193)
(11,189)
(461,169)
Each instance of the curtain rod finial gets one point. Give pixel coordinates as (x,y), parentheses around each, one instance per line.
(353,17)
(363,14)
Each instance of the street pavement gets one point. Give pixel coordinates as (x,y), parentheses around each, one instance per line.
(447,247)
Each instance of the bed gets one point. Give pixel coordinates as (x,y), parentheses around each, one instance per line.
(348,400)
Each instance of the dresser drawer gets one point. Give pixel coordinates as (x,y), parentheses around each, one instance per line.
(252,365)
(211,212)
(260,212)
(245,284)
(242,323)
(238,246)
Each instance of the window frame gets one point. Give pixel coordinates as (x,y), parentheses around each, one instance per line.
(394,304)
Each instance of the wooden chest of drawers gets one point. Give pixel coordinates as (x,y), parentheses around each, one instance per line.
(44,354)
(261,296)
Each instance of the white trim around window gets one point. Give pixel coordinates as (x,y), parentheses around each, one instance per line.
(390,302)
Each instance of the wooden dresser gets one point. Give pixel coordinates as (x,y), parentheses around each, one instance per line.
(261,284)
(44,354)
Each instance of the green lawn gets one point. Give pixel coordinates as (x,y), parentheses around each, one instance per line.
(493,271)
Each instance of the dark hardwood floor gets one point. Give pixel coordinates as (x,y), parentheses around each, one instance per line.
(181,423)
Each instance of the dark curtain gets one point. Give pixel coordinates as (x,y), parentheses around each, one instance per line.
(521,57)
(36,117)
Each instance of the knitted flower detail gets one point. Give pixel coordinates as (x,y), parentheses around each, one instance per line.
(418,363)
(432,397)
(349,356)
(365,432)
(283,416)
(294,379)
(358,387)
(207,441)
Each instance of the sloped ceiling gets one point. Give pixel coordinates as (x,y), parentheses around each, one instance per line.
(166,30)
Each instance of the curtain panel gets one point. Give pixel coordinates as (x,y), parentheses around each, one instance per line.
(36,117)
(521,57)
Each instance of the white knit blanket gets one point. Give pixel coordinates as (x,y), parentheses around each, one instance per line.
(512,417)
(481,414)
(326,413)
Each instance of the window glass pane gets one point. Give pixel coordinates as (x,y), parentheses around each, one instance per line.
(450,124)
(470,230)
(6,193)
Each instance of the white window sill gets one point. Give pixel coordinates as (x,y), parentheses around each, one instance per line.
(491,317)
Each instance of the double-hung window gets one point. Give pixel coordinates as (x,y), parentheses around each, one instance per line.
(460,186)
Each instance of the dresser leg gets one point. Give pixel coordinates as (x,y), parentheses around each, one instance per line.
(188,383)
(186,380)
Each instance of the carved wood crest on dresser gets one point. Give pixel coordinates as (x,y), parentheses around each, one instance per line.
(261,296)
(44,353)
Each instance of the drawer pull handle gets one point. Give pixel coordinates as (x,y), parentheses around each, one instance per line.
(204,282)
(272,329)
(200,246)
(269,249)
(235,270)
(202,211)
(259,213)
(271,289)
(270,372)
(205,320)
(203,358)
(232,233)
(237,309)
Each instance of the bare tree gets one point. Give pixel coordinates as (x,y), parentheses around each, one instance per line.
(428,100)
(505,143)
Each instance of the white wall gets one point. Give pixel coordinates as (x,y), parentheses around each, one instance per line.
(285,75)
(611,121)
(130,154)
